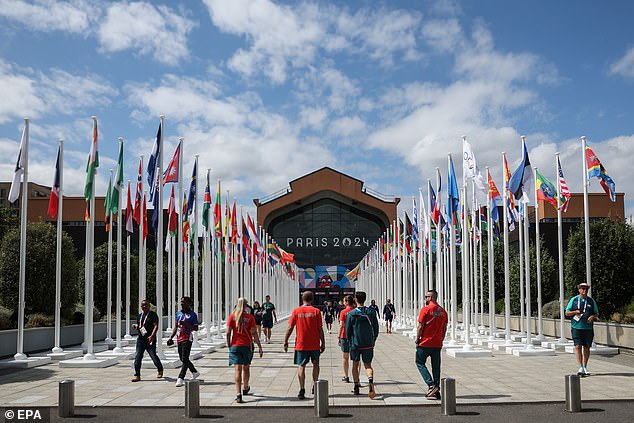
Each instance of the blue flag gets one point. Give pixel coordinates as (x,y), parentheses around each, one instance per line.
(520,179)
(453,195)
(192,194)
(152,163)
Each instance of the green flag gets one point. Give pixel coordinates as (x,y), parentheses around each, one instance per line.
(92,165)
(114,196)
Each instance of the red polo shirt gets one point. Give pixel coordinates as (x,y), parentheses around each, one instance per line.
(434,320)
(307,321)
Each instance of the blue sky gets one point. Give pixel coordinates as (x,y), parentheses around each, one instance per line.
(265,92)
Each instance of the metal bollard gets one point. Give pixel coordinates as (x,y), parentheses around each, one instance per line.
(66,400)
(573,393)
(448,396)
(321,398)
(192,398)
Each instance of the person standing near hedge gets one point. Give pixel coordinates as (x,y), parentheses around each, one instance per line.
(147,325)
(583,311)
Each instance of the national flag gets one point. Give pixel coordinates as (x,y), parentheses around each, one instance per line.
(513,216)
(234,224)
(152,163)
(115,204)
(414,223)
(106,204)
(14,192)
(185,221)
(206,204)
(129,214)
(91,166)
(408,233)
(157,208)
(192,191)
(546,191)
(286,256)
(246,241)
(484,224)
(171,211)
(145,223)
(139,194)
(435,205)
(453,196)
(564,192)
(275,255)
(353,274)
(521,178)
(218,214)
(171,173)
(53,202)
(595,168)
(495,199)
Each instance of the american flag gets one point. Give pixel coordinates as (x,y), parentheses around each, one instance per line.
(565,193)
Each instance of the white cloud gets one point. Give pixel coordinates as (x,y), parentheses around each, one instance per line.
(348,126)
(151,30)
(625,65)
(49,15)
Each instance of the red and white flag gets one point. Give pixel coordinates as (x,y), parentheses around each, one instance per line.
(171,210)
(139,194)
(129,226)
(171,173)
(564,200)
(53,202)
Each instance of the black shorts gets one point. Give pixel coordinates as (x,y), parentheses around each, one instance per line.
(583,337)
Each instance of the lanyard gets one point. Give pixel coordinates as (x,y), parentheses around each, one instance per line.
(145,318)
(585,305)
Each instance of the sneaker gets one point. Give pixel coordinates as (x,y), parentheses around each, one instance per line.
(239,399)
(355,391)
(580,372)
(437,395)
(345,379)
(312,390)
(195,375)
(246,390)
(159,374)
(431,393)
(372,392)
(302,394)
(136,379)
(179,382)
(585,371)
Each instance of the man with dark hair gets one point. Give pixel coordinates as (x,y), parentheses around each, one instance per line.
(362,329)
(268,316)
(430,334)
(343,340)
(186,323)
(584,311)
(309,340)
(147,325)
(388,315)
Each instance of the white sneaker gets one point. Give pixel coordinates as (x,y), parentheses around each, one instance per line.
(195,375)
(586,372)
(580,372)
(179,382)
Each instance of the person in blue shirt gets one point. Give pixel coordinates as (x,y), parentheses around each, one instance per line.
(583,311)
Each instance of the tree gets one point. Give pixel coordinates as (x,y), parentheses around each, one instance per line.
(612,258)
(8,219)
(41,241)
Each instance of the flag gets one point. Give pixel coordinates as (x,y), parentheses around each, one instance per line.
(53,202)
(234,224)
(275,255)
(145,225)
(152,163)
(129,214)
(453,196)
(171,173)
(565,195)
(415,223)
(218,214)
(118,184)
(353,274)
(192,192)
(139,194)
(106,204)
(546,191)
(521,178)
(469,167)
(206,204)
(14,192)
(435,205)
(92,165)
(185,221)
(595,168)
(171,210)
(286,256)
(495,199)
(157,209)
(484,224)
(513,216)
(408,233)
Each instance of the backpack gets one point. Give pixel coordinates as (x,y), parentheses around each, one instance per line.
(363,331)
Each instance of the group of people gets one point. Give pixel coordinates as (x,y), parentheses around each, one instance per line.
(358,332)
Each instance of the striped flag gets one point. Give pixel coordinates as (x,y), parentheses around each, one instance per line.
(139,194)
(53,203)
(129,226)
(206,204)
(563,188)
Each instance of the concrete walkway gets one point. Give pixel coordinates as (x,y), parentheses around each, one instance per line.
(502,378)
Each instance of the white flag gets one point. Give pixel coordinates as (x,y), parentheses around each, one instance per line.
(469,166)
(14,192)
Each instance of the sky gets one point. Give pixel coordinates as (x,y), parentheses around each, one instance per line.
(265,92)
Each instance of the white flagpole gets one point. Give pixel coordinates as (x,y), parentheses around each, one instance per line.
(540,335)
(179,241)
(491,262)
(466,324)
(560,243)
(127,279)
(194,239)
(522,235)
(109,339)
(159,246)
(19,355)
(89,278)
(142,291)
(586,213)
(454,286)
(507,280)
(119,348)
(58,255)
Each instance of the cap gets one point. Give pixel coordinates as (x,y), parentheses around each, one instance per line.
(583,284)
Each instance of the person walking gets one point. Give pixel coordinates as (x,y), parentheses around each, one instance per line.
(147,325)
(375,307)
(257,314)
(309,340)
(268,316)
(186,323)
(241,334)
(583,311)
(343,341)
(388,315)
(329,315)
(430,334)
(362,330)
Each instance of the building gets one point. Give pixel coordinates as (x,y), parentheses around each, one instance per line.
(329,221)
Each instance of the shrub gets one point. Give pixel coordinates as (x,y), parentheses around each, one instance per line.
(39,320)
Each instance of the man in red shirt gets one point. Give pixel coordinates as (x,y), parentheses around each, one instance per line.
(343,341)
(309,339)
(432,327)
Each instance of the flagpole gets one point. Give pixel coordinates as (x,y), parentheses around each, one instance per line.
(490,264)
(454,286)
(142,293)
(527,260)
(194,238)
(466,309)
(159,247)
(119,349)
(586,213)
(540,335)
(127,336)
(179,240)
(109,339)
(58,255)
(89,267)
(562,338)
(19,355)
(507,280)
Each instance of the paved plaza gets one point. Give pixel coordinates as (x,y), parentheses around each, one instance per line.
(501,378)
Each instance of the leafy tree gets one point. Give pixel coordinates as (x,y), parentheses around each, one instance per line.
(41,241)
(8,220)
(612,258)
